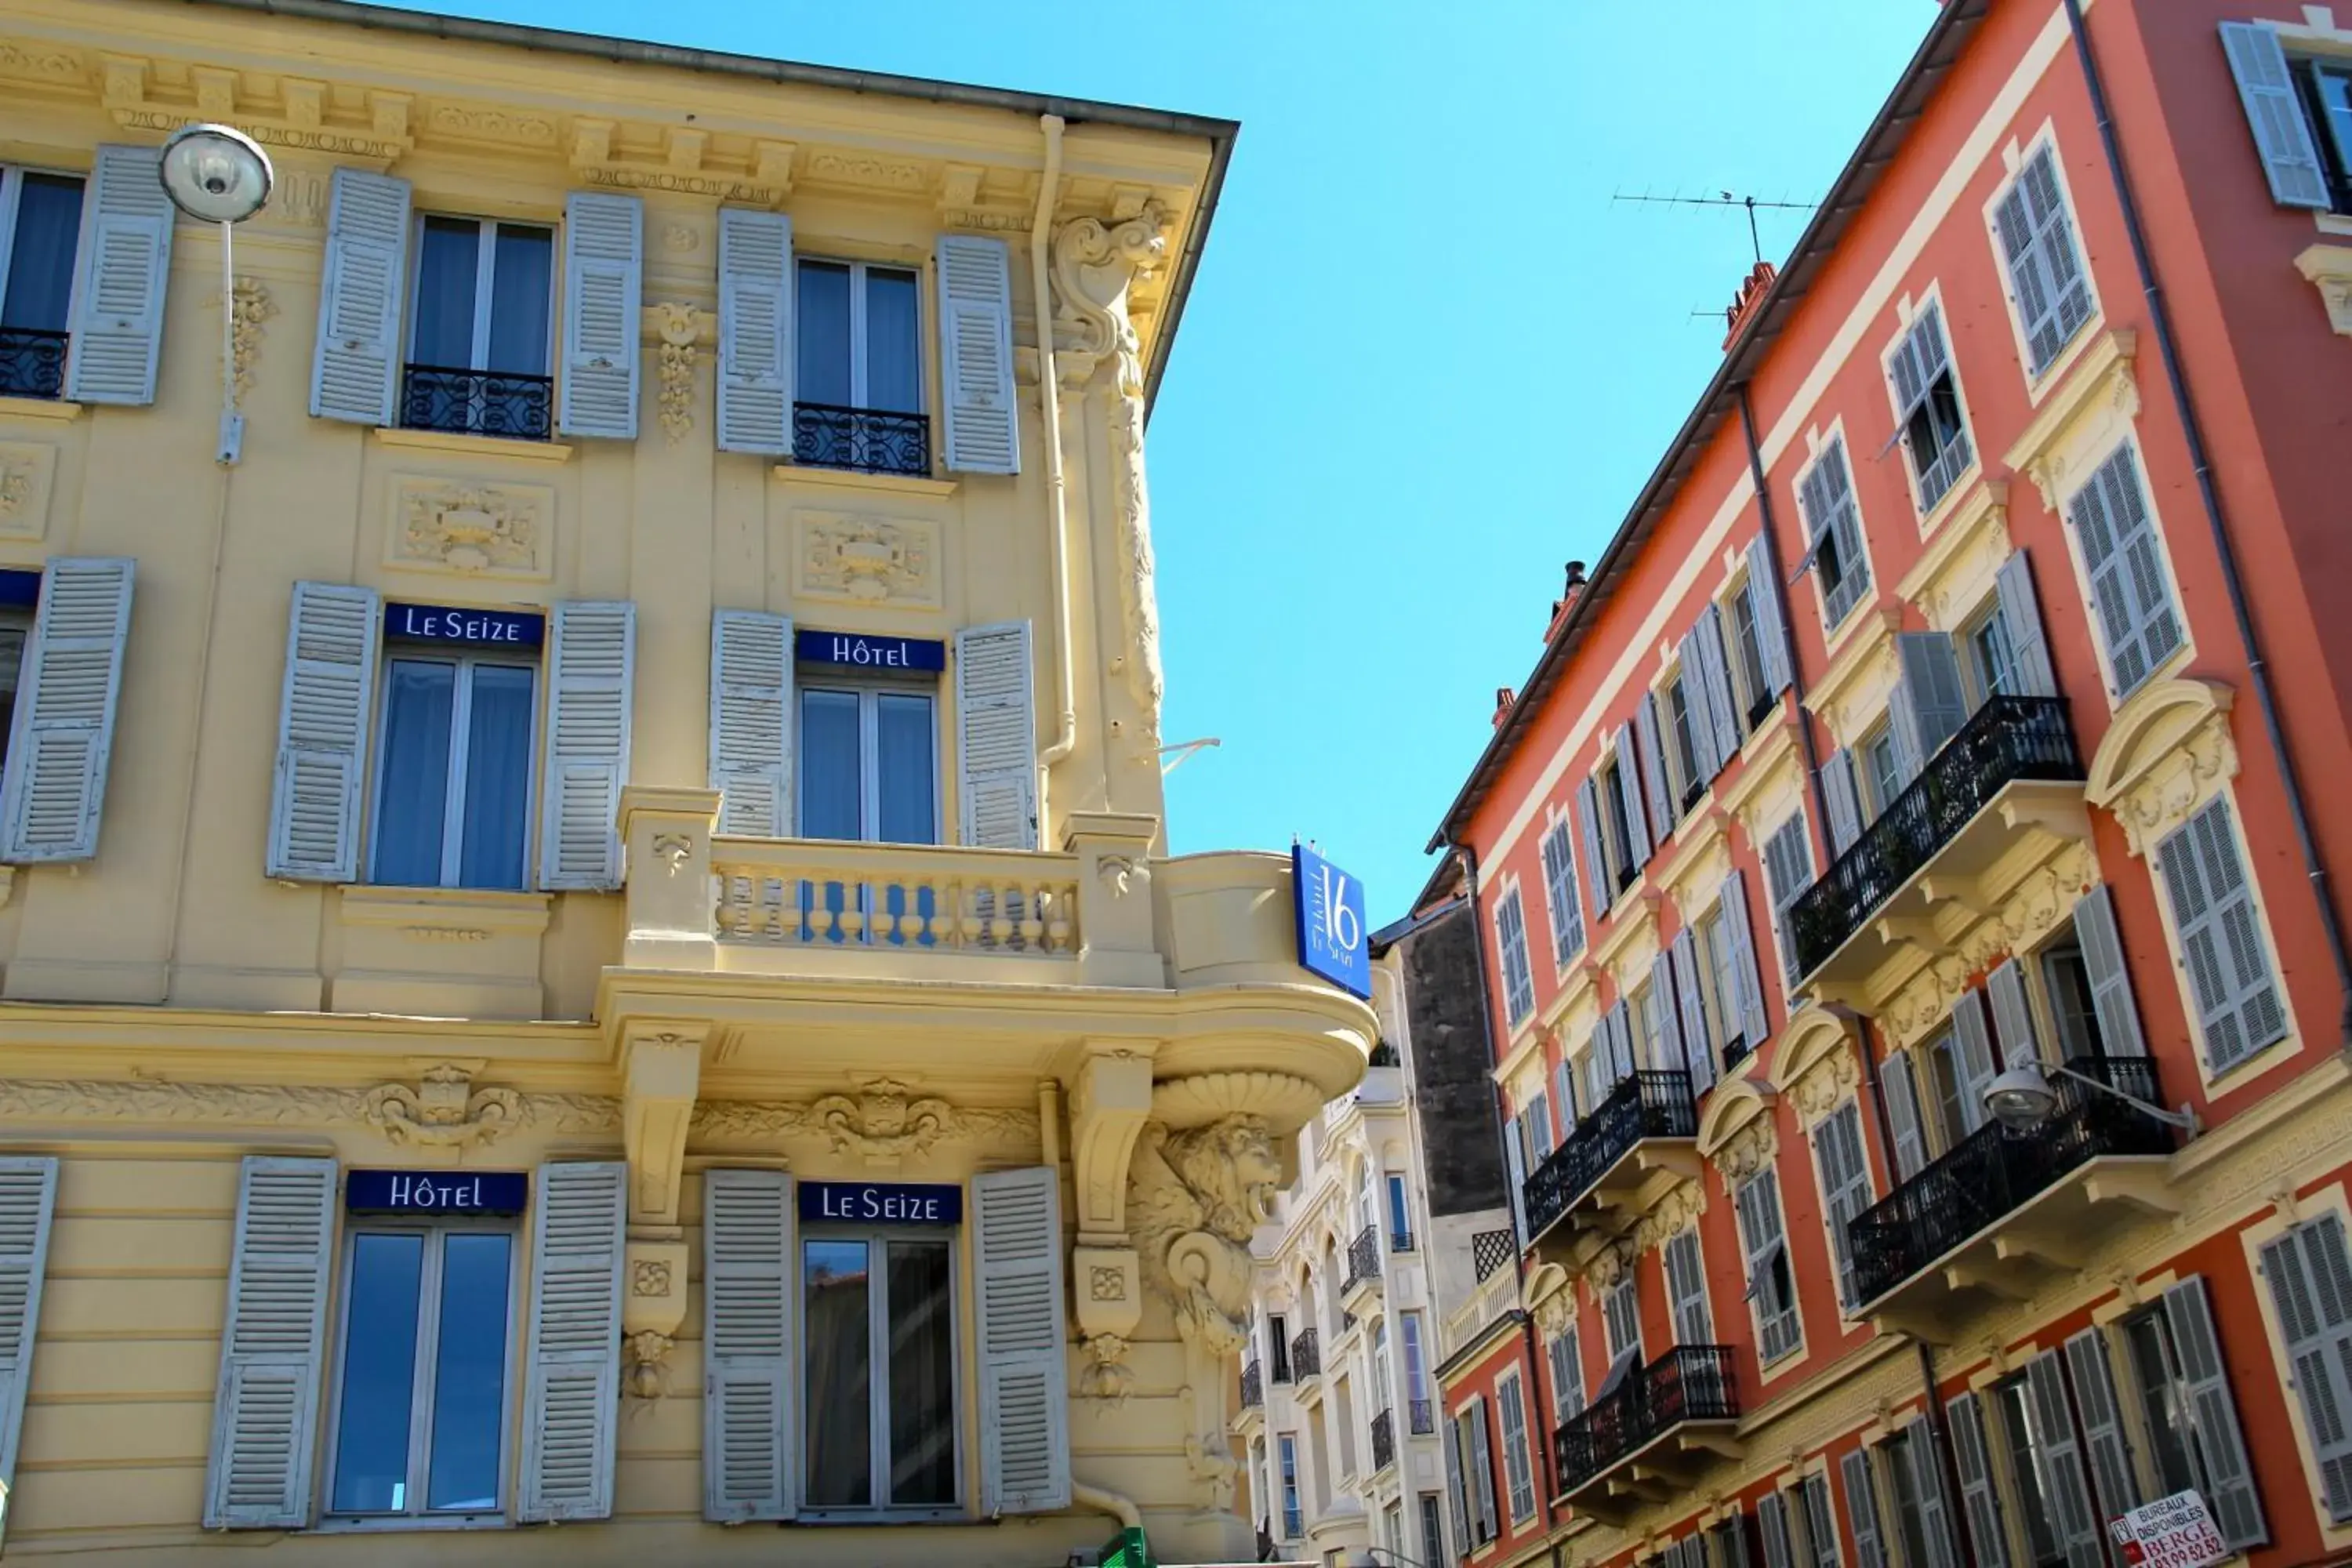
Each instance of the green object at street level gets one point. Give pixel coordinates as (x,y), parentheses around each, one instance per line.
(1128,1549)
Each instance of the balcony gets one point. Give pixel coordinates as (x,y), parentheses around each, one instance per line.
(1645,1441)
(1383,1440)
(476,402)
(2006,1208)
(1492,1253)
(1306,1356)
(1363,1262)
(32,363)
(1914,876)
(1252,1387)
(1400,1241)
(1639,1141)
(865,440)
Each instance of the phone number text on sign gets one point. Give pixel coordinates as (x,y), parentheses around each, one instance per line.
(2176,1531)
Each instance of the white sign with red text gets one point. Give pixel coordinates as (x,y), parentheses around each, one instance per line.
(2170,1533)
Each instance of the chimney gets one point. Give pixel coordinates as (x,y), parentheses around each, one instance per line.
(1743,304)
(1559,606)
(1504,697)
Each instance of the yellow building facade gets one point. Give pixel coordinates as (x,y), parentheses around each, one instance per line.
(587,932)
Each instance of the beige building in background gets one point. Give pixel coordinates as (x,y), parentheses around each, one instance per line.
(657,735)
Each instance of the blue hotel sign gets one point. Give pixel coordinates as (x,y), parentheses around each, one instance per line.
(437,1192)
(882,1202)
(465,628)
(1330,907)
(862,652)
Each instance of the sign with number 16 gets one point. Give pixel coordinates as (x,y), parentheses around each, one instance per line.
(1331,936)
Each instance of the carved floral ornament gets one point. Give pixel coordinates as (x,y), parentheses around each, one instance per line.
(681,329)
(869,560)
(444,1110)
(1675,1212)
(2168,753)
(466,527)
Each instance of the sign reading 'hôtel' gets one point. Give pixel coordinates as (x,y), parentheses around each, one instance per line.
(437,1192)
(862,652)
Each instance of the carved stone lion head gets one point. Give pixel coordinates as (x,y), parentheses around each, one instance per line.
(1230,1167)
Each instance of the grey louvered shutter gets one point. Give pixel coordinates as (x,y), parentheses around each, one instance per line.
(983,428)
(1618,1024)
(2012,1016)
(1482,1465)
(1788,872)
(63,734)
(1511,946)
(751,721)
(122,273)
(1686,1281)
(572,1387)
(2020,610)
(1663,1008)
(28,1196)
(1820,1529)
(1515,1174)
(2229,971)
(1024,1400)
(1932,702)
(1772,1524)
(755,331)
(1596,856)
(266,1408)
(2045,271)
(355,360)
(1753,1022)
(996,736)
(1563,1097)
(751,1374)
(2102,960)
(1561,895)
(591,681)
(1763,593)
(1721,707)
(2213,1410)
(1460,1495)
(1844,799)
(2103,1426)
(1845,1183)
(1903,1113)
(603,266)
(1660,792)
(2282,137)
(1639,840)
(1974,1056)
(1698,1050)
(332,635)
(1979,1499)
(2059,1463)
(1862,1509)
(2139,620)
(1936,1527)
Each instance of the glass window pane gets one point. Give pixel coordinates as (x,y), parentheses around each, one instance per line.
(497,778)
(412,778)
(447,271)
(923,1375)
(829,764)
(40,267)
(2024,1477)
(520,271)
(838,1424)
(379,1374)
(904,758)
(2166,1423)
(469,1370)
(894,356)
(821,326)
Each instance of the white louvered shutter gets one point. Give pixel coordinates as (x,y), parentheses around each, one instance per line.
(64,729)
(2230,972)
(750,1374)
(1772,1524)
(1686,1281)
(2058,1461)
(1862,1509)
(1903,1113)
(1975,1056)
(1820,1529)
(28,1195)
(604,265)
(2020,610)
(1481,1465)
(996,736)
(2311,1284)
(1754,1023)
(2012,1017)
(983,427)
(1666,1018)
(1617,1033)
(1935,1524)
(1826,497)
(1979,1499)
(1561,895)
(122,269)
(1764,607)
(1929,704)
(1843,799)
(1515,1176)
(331,637)
(2213,1410)
(1641,839)
(1511,947)
(590,679)
(1690,1002)
(1788,872)
(355,363)
(2111,989)
(751,721)
(1567,1376)
(573,1376)
(1025,1402)
(2275,113)
(1845,1182)
(2045,270)
(2103,1426)
(1462,1543)
(1720,708)
(1596,856)
(1663,793)
(266,1410)
(755,331)
(2139,620)
(1519,1464)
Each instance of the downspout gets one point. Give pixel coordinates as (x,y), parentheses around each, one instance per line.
(1041,240)
(1116,1504)
(2257,666)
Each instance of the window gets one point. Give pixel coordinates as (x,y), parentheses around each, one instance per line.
(1718,985)
(1927,407)
(1539,1118)
(1846,1186)
(1686,1281)
(1748,653)
(878,1417)
(868,763)
(1882,770)
(2164,1406)
(1990,658)
(2046,279)
(41,224)
(1382,1397)
(13,632)
(2325,88)
(1771,1284)
(1948,1109)
(479,329)
(2131,591)
(1293,1524)
(420,1419)
(1399,1213)
(1820,1529)
(2310,1275)
(1833,527)
(1511,941)
(1432,1528)
(1566,1376)
(2238,1008)
(859,391)
(1620,1308)
(1560,895)
(1416,1367)
(1681,744)
(1902,1485)
(1788,872)
(1277,1333)
(2024,1474)
(2066,979)
(1519,1467)
(1475,1456)
(1618,809)
(1394,1519)
(453,787)
(1648,1052)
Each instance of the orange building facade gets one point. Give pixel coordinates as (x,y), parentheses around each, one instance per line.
(1911,876)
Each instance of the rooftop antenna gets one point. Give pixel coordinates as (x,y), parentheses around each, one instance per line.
(1723,199)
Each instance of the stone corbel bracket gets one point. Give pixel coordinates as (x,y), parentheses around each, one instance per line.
(1111,1100)
(661,1075)
(763,179)
(301,121)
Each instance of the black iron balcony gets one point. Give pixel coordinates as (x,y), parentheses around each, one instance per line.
(1688,1384)
(1490,1250)
(1383,1440)
(2008,740)
(475,402)
(869,440)
(1253,1386)
(32,363)
(1996,1171)
(1643,1106)
(1364,1259)
(1306,1358)
(1424,1415)
(1400,1241)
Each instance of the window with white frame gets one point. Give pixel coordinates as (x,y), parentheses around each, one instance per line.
(1927,413)
(867,756)
(858,387)
(481,320)
(1621,1308)
(1820,1529)
(1834,528)
(1752,687)
(2047,280)
(1511,943)
(879,1366)
(1987,659)
(1432,1528)
(2310,1273)
(1519,1460)
(2043,1464)
(1720,985)
(1293,1521)
(453,786)
(2135,607)
(1567,1376)
(1416,1370)
(1771,1283)
(2231,977)
(40,227)
(1881,756)
(2299,108)
(1621,808)
(1399,1213)
(1846,1186)
(1686,1282)
(1475,1452)
(1560,900)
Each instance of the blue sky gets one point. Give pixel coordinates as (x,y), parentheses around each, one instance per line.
(1426,360)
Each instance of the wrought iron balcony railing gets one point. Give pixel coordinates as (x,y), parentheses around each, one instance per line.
(1689,1382)
(1996,1169)
(1363,1258)
(1306,1357)
(1490,1250)
(2007,739)
(476,402)
(869,440)
(1400,1241)
(1424,1415)
(1383,1440)
(32,363)
(1649,1104)
(1253,1386)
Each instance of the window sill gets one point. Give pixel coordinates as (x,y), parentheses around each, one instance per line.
(449,441)
(457,913)
(55,410)
(2240,1073)
(410,1524)
(2333,223)
(872,484)
(1836,638)
(1950,502)
(827,1518)
(2038,386)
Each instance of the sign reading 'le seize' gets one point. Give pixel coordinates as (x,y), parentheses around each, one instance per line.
(882,1202)
(469,628)
(1330,909)
(862,652)
(430,1191)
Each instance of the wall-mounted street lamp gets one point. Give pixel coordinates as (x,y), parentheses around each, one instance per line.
(215,173)
(2022,1098)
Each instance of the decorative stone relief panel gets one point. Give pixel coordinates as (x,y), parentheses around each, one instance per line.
(471,528)
(26,469)
(867,560)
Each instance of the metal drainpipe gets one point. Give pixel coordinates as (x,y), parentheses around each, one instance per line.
(2257,667)
(1041,236)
